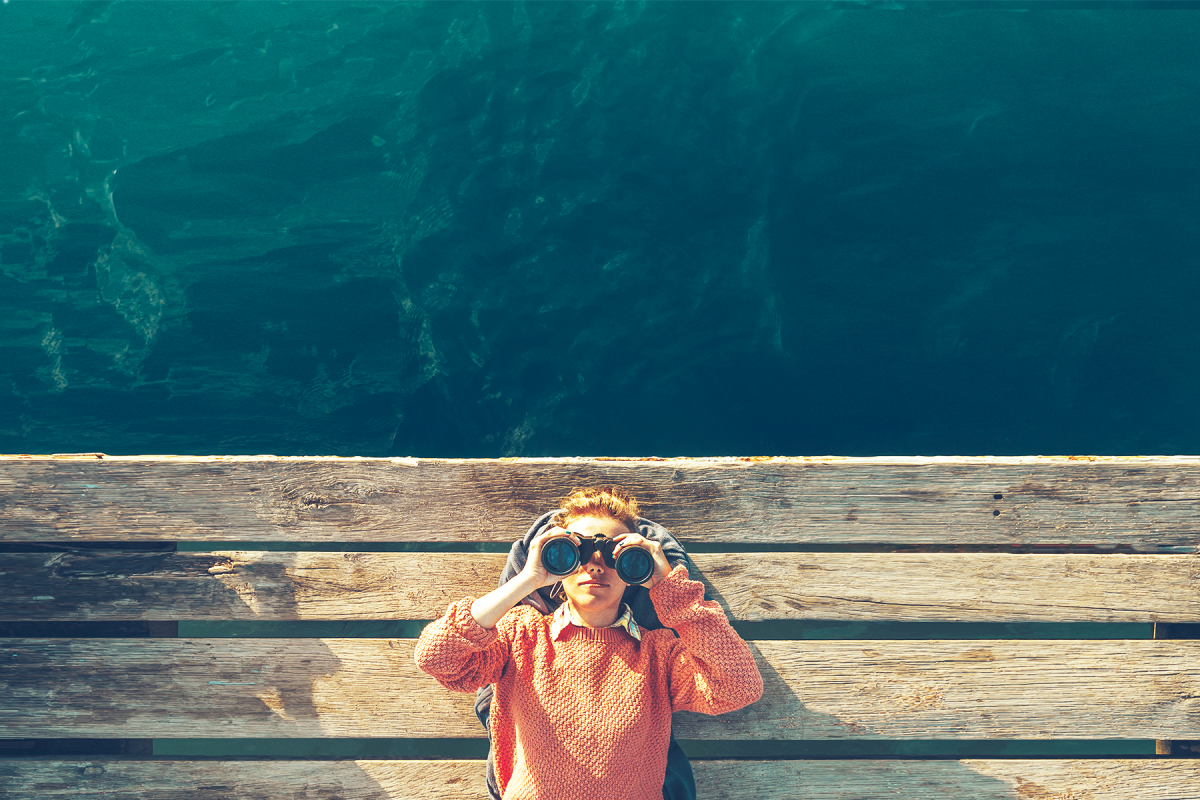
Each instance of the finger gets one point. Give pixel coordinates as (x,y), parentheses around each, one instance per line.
(539,541)
(554,533)
(630,540)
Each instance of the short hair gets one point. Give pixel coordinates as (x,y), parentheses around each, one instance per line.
(611,502)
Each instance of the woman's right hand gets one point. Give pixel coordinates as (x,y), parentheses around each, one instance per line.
(488,610)
(534,570)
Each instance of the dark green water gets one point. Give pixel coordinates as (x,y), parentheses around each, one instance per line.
(446,229)
(486,229)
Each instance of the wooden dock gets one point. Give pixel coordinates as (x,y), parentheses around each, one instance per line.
(88,539)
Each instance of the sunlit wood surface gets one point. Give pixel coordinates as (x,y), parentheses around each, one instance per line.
(977,689)
(1144,502)
(970,779)
(907,587)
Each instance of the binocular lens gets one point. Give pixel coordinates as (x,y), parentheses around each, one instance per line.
(635,565)
(561,557)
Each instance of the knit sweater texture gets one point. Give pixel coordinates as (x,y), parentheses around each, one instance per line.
(588,714)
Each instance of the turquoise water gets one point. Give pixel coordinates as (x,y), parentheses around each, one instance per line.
(447,229)
(491,229)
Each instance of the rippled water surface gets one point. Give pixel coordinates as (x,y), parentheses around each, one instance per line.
(487,229)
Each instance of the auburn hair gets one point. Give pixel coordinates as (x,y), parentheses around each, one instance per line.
(611,502)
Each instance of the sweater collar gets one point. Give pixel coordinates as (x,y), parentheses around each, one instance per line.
(562,620)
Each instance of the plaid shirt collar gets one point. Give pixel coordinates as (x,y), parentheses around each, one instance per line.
(562,618)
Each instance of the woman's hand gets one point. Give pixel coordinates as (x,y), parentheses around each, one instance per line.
(534,572)
(488,610)
(662,567)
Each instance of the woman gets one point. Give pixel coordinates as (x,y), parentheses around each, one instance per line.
(584,696)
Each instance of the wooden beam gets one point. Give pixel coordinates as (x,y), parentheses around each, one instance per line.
(977,779)
(813,690)
(1139,502)
(970,587)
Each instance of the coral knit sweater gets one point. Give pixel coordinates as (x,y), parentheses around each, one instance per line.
(587,714)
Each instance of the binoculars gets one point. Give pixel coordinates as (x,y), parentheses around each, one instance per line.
(560,556)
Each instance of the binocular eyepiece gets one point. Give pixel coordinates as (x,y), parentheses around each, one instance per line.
(634,565)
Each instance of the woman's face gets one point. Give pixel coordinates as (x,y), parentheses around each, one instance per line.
(595,586)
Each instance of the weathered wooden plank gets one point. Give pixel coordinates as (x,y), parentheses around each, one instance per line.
(964,587)
(974,587)
(814,690)
(242,780)
(977,779)
(1140,502)
(240,585)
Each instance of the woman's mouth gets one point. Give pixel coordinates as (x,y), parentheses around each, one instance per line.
(592,583)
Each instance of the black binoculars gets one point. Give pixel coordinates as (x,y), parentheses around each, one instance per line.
(562,557)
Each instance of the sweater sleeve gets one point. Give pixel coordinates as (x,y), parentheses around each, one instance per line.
(712,669)
(461,655)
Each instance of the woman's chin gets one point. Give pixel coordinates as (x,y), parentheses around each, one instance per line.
(594,600)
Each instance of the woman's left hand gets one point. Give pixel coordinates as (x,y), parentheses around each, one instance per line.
(662,567)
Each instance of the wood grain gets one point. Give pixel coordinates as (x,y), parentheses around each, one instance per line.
(909,587)
(813,690)
(977,779)
(1144,503)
